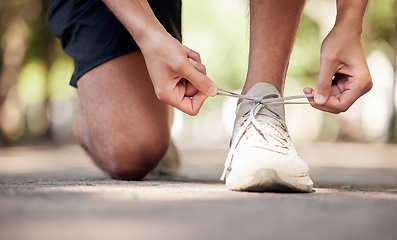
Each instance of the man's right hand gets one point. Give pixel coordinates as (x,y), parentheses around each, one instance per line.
(178,76)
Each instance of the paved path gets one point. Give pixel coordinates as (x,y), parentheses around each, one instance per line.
(56,193)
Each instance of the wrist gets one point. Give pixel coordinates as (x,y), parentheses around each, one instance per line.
(144,31)
(350,15)
(137,17)
(152,39)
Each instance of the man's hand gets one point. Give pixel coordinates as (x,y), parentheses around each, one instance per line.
(344,74)
(178,76)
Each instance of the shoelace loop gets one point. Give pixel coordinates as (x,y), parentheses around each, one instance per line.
(261,102)
(266,99)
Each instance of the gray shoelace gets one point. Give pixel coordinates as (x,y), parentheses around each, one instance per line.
(266,99)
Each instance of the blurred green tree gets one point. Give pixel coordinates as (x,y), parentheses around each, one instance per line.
(34,70)
(26,41)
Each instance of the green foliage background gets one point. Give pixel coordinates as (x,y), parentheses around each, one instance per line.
(34,72)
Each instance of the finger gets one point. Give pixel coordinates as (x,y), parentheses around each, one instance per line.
(190,89)
(199,80)
(339,81)
(199,66)
(323,87)
(351,88)
(192,54)
(192,105)
(185,97)
(335,102)
(332,105)
(186,88)
(325,109)
(342,102)
(309,90)
(335,91)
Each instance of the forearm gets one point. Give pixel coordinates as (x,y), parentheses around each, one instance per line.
(137,17)
(350,15)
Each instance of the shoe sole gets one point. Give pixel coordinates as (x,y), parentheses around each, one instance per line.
(267,180)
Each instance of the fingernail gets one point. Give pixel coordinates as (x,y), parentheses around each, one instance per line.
(320,99)
(213,91)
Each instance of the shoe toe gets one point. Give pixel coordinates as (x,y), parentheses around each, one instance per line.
(247,161)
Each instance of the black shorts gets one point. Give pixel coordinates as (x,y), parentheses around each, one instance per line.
(92,35)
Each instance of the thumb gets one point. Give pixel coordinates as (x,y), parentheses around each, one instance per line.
(200,81)
(324,83)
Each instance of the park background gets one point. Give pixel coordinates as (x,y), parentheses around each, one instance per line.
(37,104)
(50,189)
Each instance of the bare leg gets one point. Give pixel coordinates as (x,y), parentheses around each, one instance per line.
(121,123)
(273,27)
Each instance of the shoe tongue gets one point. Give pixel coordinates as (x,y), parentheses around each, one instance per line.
(257,91)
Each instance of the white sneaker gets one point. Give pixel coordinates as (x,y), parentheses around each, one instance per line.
(262,157)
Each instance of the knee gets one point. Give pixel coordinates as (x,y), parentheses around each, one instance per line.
(133,159)
(123,154)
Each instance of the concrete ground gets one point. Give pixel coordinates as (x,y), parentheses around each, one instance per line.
(57,193)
